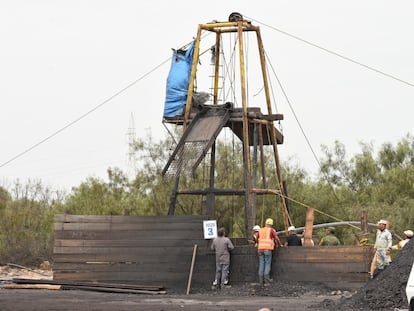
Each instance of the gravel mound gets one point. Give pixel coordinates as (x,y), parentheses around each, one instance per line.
(386,291)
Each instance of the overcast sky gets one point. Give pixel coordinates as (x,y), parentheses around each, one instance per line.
(61,59)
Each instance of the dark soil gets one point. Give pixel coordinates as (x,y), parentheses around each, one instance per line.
(386,291)
(276,289)
(248,297)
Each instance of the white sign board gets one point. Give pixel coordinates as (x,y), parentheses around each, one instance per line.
(210,229)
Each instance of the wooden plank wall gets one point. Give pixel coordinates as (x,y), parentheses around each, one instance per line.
(157,250)
(346,265)
(141,250)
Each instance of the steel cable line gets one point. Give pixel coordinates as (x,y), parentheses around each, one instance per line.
(304,135)
(83,115)
(88,112)
(336,54)
(302,130)
(293,112)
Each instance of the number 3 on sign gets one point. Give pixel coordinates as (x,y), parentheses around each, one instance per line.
(210,229)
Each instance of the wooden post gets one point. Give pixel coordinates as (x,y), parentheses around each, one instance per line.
(307,239)
(191,269)
(364,222)
(373,265)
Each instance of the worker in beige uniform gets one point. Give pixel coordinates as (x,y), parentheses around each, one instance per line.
(382,244)
(408,235)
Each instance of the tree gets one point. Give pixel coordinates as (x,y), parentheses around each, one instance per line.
(26,222)
(4,198)
(382,183)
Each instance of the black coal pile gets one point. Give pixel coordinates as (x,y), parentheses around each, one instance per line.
(386,291)
(276,289)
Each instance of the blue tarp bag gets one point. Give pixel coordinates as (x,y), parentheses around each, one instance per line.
(178,81)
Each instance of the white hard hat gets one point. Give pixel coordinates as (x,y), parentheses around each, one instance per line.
(382,222)
(256,228)
(292,228)
(409,233)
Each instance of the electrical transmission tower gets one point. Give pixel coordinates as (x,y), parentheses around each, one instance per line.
(131,156)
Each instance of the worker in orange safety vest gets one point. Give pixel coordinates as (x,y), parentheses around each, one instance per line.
(267,240)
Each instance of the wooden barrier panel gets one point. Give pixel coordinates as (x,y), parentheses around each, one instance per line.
(126,249)
(158,250)
(346,265)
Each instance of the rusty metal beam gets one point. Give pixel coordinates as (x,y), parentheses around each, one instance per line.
(217,191)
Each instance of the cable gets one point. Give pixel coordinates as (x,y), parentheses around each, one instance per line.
(294,113)
(317,210)
(83,116)
(336,54)
(303,132)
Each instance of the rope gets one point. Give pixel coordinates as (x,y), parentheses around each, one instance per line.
(317,210)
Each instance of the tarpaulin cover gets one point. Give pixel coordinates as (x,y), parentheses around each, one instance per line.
(178,81)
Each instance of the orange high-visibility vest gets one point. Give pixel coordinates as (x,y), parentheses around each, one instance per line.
(266,241)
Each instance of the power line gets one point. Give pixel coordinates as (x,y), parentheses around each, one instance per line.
(158,66)
(82,116)
(336,54)
(305,136)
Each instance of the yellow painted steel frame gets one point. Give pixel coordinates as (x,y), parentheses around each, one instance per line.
(240,27)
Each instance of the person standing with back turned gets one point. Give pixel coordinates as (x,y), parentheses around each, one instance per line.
(222,245)
(330,238)
(267,238)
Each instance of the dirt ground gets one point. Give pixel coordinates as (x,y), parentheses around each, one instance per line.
(278,296)
(238,297)
(88,301)
(40,299)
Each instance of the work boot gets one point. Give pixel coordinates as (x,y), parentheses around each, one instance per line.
(261,280)
(268,279)
(376,272)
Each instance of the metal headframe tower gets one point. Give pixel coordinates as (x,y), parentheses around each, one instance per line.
(254,129)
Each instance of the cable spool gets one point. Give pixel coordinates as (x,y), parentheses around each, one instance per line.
(235,17)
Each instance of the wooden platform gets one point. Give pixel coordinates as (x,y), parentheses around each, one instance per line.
(235,123)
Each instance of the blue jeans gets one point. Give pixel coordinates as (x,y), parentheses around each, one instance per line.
(265,264)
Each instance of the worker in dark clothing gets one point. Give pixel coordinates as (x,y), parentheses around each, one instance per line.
(222,245)
(330,239)
(293,239)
